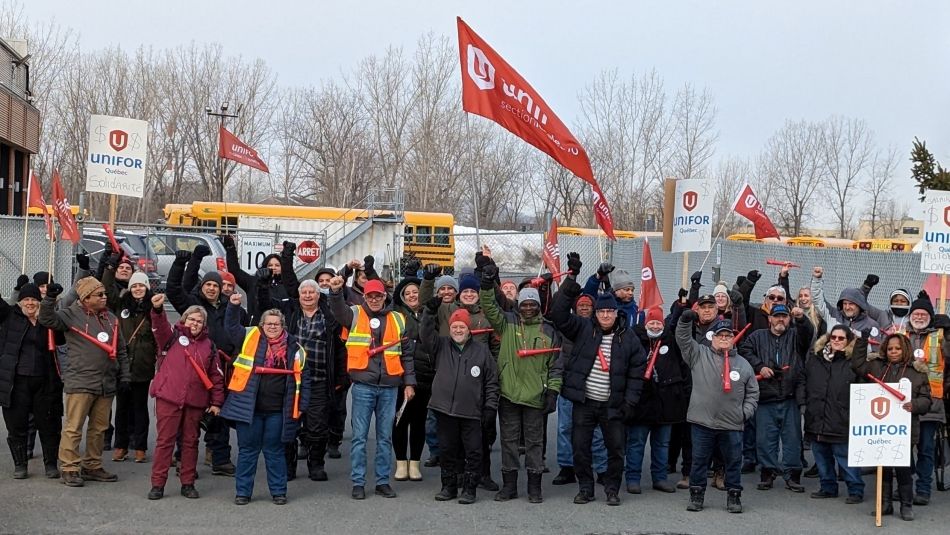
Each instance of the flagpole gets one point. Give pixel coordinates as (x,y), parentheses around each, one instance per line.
(26,222)
(716,239)
(471,170)
(52,251)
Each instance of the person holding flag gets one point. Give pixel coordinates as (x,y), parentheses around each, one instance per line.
(188,383)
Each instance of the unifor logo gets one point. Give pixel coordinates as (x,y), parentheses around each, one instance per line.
(880,407)
(690,200)
(480,70)
(118,140)
(750,201)
(946,215)
(646,274)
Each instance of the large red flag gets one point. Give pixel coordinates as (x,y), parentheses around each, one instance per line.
(649,289)
(37,201)
(552,251)
(67,223)
(748,206)
(493,89)
(232,148)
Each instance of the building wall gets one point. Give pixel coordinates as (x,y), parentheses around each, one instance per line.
(19,129)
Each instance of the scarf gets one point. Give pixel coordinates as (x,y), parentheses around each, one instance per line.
(276,356)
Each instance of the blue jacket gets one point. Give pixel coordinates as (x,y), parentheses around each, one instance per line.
(239,406)
(592,288)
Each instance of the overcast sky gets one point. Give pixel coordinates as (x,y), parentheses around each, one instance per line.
(887,62)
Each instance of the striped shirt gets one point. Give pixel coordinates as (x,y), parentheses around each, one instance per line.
(598,380)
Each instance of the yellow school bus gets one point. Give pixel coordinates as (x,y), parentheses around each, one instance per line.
(815,241)
(428,235)
(883,245)
(619,234)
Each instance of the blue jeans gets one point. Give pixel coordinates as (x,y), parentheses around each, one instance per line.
(432,435)
(262,434)
(705,441)
(367,401)
(926,448)
(774,422)
(826,453)
(565,452)
(659,451)
(748,443)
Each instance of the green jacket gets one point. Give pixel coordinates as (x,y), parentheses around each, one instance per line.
(479,321)
(523,379)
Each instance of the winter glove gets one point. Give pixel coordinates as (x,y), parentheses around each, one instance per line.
(871,280)
(125,387)
(695,278)
(604,270)
(753,276)
(488,276)
(368,263)
(53,290)
(481,261)
(488,417)
(689,316)
(21,281)
(228,241)
(183,255)
(113,261)
(288,250)
(923,295)
(411,268)
(682,293)
(550,401)
(82,259)
(866,333)
(433,304)
(574,264)
(263,274)
(431,271)
(201,251)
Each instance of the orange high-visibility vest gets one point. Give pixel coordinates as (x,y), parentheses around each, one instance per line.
(244,366)
(933,353)
(359,338)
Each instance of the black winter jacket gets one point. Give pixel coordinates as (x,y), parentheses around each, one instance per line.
(423,361)
(665,397)
(824,388)
(466,378)
(182,299)
(765,350)
(13,329)
(627,358)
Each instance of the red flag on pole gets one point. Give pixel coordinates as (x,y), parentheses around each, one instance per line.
(68,229)
(493,89)
(37,201)
(232,148)
(649,289)
(748,206)
(552,251)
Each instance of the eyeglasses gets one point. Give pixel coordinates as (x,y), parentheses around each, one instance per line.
(374,297)
(273,325)
(834,338)
(776,298)
(195,320)
(724,336)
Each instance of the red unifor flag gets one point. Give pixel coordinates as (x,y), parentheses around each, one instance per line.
(232,148)
(748,206)
(67,223)
(493,89)
(649,289)
(552,251)
(37,201)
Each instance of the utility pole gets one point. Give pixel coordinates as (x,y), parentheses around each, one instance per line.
(221,115)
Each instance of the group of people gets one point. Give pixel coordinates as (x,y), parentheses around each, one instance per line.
(718,385)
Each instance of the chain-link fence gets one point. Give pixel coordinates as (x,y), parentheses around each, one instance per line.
(37,252)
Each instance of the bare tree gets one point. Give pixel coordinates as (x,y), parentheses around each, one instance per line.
(694,135)
(847,145)
(730,175)
(792,169)
(881,206)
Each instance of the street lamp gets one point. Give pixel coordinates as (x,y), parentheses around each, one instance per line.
(221,115)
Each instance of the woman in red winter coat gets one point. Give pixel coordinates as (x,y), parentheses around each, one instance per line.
(188,382)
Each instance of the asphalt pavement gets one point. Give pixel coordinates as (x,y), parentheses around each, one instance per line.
(38,505)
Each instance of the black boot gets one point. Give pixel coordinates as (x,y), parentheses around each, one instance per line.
(906,493)
(449,487)
(509,486)
(486,482)
(534,487)
(316,472)
(696,497)
(765,479)
(469,482)
(290,453)
(18,452)
(50,456)
(733,502)
(565,476)
(794,481)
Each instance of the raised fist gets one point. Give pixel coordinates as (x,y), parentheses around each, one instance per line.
(53,290)
(411,267)
(689,316)
(82,260)
(605,269)
(753,276)
(228,241)
(574,264)
(336,283)
(289,249)
(21,281)
(682,294)
(201,251)
(431,271)
(263,274)
(817,272)
(695,277)
(235,298)
(433,304)
(871,280)
(797,312)
(183,255)
(158,301)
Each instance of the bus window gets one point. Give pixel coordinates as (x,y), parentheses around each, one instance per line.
(441,235)
(423,234)
(229,222)
(407,234)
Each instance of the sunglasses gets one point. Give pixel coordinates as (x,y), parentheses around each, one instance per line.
(837,338)
(98,294)
(776,298)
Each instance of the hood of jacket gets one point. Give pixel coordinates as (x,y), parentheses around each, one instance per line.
(855,296)
(397,293)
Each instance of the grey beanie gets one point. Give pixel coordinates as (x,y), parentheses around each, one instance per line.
(620,279)
(529,294)
(212,276)
(446,280)
(138,277)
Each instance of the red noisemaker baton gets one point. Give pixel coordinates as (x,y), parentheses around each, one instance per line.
(887,387)
(273,371)
(110,349)
(737,337)
(726,382)
(758,376)
(533,352)
(780,263)
(201,373)
(482,331)
(384,347)
(111,236)
(649,373)
(538,281)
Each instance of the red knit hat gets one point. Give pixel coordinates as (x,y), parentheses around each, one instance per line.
(654,314)
(462,315)
(584,297)
(228,277)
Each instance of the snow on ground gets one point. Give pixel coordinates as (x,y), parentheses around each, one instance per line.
(515,251)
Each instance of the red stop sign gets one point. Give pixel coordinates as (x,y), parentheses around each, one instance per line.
(308,251)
